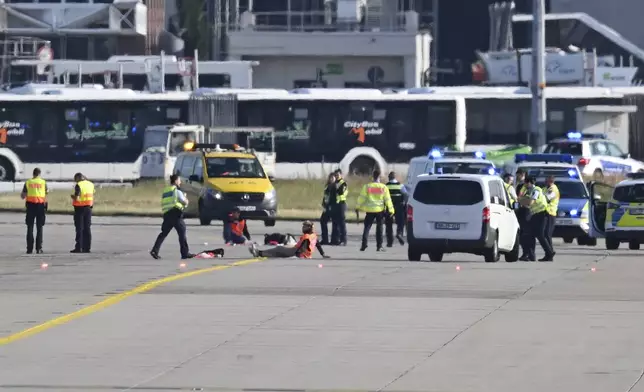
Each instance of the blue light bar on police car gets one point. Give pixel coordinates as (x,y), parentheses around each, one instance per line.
(459,154)
(555,158)
(574,135)
(435,154)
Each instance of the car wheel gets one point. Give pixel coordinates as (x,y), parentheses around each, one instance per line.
(413,254)
(612,244)
(435,256)
(568,240)
(269,223)
(634,245)
(513,255)
(492,255)
(203,219)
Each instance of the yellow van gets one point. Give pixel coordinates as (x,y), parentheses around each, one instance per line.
(218,179)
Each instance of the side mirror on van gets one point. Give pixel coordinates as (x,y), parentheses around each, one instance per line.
(271,178)
(195,178)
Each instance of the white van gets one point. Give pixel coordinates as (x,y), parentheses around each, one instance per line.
(461,213)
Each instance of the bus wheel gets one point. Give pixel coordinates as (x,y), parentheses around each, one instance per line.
(362,166)
(6,170)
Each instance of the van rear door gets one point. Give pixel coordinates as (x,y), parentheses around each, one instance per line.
(448,207)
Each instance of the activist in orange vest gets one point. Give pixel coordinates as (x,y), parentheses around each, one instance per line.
(236,229)
(303,249)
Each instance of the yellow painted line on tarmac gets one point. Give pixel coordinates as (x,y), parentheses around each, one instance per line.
(114,299)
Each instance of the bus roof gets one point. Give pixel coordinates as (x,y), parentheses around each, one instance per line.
(54,92)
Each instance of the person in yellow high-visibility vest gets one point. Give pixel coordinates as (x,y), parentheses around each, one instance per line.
(375,201)
(34,193)
(552,196)
(536,201)
(83,202)
(173,202)
(339,211)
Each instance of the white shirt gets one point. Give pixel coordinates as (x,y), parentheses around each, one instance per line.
(181,197)
(535,193)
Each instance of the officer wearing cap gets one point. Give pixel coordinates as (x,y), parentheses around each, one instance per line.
(398,217)
(34,193)
(83,202)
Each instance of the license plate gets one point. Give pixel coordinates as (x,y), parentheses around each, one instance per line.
(247,208)
(564,222)
(636,211)
(447,226)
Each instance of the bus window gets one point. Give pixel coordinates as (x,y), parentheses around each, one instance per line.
(441,123)
(16,126)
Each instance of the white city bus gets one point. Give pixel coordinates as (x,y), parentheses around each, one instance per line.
(65,130)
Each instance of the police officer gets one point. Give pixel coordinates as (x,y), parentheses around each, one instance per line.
(173,202)
(328,202)
(83,202)
(523,216)
(397,199)
(508,180)
(375,200)
(339,231)
(536,201)
(34,193)
(552,196)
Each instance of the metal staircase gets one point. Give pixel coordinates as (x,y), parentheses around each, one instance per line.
(21,48)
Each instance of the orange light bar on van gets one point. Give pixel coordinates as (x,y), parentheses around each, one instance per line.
(188,146)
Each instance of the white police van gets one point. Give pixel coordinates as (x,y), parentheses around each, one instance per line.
(448,162)
(461,213)
(537,165)
(595,154)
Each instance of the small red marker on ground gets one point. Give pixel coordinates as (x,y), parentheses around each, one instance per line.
(320,266)
(593,269)
(458,267)
(44,266)
(182,265)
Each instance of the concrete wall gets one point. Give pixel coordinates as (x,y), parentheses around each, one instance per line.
(266,43)
(624,16)
(274,72)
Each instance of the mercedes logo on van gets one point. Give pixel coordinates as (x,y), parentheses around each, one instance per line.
(246,197)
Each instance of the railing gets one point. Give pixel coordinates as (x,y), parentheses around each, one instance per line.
(311,21)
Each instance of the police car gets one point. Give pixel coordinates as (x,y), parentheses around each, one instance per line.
(449,162)
(544,165)
(572,213)
(617,214)
(595,154)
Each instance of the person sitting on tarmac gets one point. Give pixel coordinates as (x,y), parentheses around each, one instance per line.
(303,249)
(235,229)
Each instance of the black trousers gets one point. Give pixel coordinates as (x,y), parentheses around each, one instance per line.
(35,215)
(539,232)
(369,219)
(173,219)
(83,225)
(339,223)
(325,218)
(399,219)
(550,229)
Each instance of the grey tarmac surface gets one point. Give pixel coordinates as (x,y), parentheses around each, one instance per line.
(361,321)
